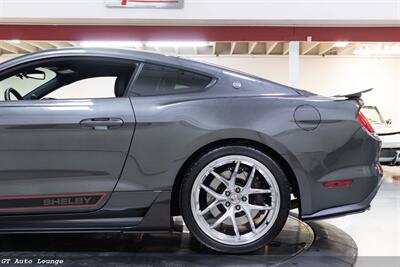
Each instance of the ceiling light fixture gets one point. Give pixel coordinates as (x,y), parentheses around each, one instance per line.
(341,44)
(111,44)
(177,44)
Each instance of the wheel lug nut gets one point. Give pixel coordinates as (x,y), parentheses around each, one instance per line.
(237,207)
(228,204)
(227,193)
(237,190)
(244,198)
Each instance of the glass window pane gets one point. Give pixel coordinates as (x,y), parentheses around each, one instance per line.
(160,80)
(23,84)
(97,87)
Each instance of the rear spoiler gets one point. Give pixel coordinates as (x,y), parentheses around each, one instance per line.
(355,96)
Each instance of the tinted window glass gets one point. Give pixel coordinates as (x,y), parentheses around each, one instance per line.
(160,80)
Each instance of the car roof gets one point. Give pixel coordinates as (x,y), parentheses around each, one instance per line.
(129,54)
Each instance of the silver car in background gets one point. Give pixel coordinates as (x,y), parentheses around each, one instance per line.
(388,133)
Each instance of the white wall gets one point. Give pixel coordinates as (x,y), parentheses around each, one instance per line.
(216,12)
(330,76)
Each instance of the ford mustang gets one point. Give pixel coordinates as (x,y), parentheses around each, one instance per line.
(120,140)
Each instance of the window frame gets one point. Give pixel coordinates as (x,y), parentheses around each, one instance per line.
(8,72)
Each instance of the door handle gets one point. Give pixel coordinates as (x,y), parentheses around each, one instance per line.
(102,123)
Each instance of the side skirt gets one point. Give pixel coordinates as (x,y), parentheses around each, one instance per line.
(124,212)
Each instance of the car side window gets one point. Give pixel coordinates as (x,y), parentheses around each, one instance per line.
(26,82)
(97,87)
(68,78)
(162,80)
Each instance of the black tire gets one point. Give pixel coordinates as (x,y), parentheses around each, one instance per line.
(202,162)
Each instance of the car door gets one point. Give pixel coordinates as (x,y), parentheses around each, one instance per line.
(54,153)
(62,155)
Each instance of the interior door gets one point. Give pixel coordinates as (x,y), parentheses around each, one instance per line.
(62,154)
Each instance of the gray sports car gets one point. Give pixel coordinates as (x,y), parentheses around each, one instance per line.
(230,152)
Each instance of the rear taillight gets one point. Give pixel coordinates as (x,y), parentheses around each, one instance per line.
(365,122)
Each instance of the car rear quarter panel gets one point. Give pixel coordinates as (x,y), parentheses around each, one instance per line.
(171,128)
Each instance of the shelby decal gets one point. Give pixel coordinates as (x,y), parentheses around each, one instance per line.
(20,203)
(70,201)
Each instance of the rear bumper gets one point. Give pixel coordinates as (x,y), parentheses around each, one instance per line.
(390,153)
(390,140)
(390,156)
(346,209)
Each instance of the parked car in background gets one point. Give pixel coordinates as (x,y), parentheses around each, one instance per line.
(389,134)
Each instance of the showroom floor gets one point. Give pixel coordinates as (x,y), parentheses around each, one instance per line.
(377,231)
(315,244)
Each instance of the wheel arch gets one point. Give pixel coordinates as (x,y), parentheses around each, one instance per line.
(287,169)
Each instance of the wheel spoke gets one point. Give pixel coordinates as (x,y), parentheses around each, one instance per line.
(250,219)
(209,207)
(212,192)
(259,191)
(232,180)
(258,207)
(221,219)
(235,227)
(250,178)
(220,178)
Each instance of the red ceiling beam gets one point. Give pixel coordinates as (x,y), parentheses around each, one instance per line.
(206,33)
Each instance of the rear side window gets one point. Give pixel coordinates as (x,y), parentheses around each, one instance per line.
(161,80)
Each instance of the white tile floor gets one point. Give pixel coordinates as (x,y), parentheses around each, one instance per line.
(377,231)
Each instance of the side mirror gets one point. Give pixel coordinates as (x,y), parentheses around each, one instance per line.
(389,121)
(35,74)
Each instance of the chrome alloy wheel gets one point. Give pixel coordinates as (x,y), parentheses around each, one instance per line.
(235,200)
